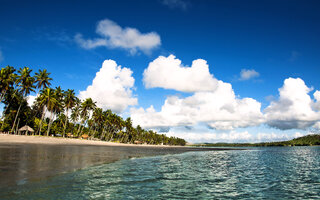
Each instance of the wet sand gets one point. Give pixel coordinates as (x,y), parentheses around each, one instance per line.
(33,158)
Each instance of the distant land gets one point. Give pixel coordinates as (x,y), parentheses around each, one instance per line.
(308,140)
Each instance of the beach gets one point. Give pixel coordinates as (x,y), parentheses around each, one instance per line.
(34,158)
(22,139)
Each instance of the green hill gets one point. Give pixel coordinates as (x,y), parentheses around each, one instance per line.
(308,140)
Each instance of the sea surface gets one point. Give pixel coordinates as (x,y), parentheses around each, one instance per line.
(255,173)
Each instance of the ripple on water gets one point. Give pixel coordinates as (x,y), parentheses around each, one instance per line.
(261,173)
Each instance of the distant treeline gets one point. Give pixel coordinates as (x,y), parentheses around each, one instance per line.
(68,115)
(308,140)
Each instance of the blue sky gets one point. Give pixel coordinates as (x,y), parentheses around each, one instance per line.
(269,41)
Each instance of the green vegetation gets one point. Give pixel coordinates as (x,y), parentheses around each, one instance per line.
(85,117)
(308,140)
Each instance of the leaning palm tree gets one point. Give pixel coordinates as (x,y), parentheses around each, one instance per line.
(69,102)
(26,85)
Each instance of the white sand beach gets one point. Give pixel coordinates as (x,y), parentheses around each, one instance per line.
(7,138)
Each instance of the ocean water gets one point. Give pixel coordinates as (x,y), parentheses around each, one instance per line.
(256,173)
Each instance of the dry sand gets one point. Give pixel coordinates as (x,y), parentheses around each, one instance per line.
(22,139)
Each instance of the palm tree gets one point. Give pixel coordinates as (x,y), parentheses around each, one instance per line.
(69,102)
(7,80)
(42,79)
(75,114)
(98,119)
(86,106)
(47,99)
(26,85)
(56,106)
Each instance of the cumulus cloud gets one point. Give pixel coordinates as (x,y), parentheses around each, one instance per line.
(183,5)
(114,36)
(31,99)
(112,87)
(219,109)
(169,73)
(294,109)
(247,74)
(214,104)
(234,136)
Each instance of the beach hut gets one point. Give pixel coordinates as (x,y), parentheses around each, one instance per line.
(84,136)
(69,135)
(25,129)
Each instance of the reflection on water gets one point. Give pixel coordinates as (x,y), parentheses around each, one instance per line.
(260,173)
(23,162)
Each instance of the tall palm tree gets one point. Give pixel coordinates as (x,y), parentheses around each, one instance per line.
(86,106)
(7,83)
(98,119)
(57,106)
(26,85)
(42,79)
(75,113)
(7,80)
(48,99)
(69,102)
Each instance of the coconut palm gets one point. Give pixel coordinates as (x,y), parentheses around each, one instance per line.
(26,85)
(69,101)
(86,106)
(57,105)
(42,79)
(7,80)
(75,114)
(48,99)
(98,119)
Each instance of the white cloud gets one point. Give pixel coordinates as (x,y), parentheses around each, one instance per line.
(176,4)
(90,44)
(112,87)
(31,99)
(114,36)
(234,136)
(219,109)
(294,109)
(247,74)
(169,73)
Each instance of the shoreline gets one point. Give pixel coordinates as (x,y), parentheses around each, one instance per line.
(49,140)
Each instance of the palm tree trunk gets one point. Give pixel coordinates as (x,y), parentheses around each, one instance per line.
(50,122)
(2,96)
(16,131)
(42,117)
(65,123)
(15,119)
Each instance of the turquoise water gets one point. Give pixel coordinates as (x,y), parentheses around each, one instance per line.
(258,173)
